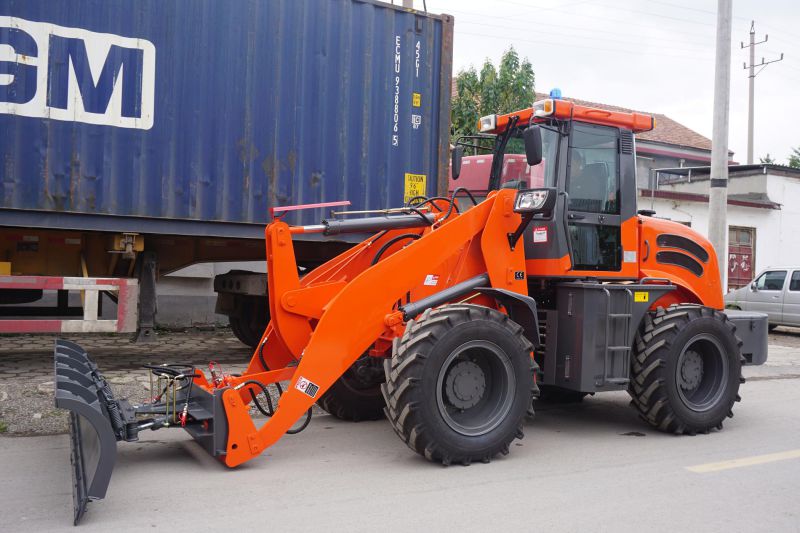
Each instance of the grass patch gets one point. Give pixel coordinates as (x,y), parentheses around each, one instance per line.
(3,427)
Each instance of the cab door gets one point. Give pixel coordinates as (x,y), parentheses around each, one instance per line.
(765,294)
(791,301)
(594,199)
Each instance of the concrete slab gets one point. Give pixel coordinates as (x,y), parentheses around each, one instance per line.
(584,467)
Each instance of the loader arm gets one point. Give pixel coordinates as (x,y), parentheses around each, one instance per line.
(363,308)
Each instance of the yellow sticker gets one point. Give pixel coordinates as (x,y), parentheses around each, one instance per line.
(415,186)
(641,296)
(416,99)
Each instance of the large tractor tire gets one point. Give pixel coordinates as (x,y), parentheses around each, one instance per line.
(356,396)
(686,369)
(251,320)
(459,384)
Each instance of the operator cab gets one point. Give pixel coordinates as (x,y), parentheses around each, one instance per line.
(586,156)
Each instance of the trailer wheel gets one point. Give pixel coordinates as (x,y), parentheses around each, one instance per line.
(249,323)
(686,369)
(356,396)
(459,384)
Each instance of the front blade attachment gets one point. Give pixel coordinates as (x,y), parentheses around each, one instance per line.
(96,423)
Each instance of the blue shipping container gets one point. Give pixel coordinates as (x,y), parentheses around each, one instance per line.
(195,117)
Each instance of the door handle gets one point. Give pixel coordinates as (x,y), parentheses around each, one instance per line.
(576,216)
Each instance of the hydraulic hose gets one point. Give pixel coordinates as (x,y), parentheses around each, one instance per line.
(270,407)
(392,241)
(453,201)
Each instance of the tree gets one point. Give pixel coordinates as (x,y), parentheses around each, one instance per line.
(766,160)
(794,158)
(509,88)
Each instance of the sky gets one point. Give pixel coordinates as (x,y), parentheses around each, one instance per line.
(654,55)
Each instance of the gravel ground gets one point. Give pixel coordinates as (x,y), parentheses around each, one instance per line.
(26,371)
(26,367)
(785,336)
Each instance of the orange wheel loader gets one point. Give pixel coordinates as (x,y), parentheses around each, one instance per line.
(451,319)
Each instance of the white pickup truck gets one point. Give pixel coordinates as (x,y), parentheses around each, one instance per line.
(775,291)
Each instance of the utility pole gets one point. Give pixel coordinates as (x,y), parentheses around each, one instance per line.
(752,77)
(718,192)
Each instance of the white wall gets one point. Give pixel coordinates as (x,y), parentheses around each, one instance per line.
(738,185)
(786,191)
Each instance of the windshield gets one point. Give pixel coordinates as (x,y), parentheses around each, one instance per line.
(515,167)
(476,164)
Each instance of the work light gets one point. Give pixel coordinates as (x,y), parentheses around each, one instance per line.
(543,108)
(530,200)
(487,123)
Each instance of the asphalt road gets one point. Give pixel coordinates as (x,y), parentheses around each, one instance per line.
(583,467)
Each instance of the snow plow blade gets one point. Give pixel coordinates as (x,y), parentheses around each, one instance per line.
(95,421)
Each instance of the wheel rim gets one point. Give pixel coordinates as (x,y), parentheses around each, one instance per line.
(701,373)
(475,388)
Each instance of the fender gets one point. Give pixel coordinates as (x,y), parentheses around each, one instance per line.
(521,309)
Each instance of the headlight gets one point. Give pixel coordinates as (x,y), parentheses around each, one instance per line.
(530,200)
(487,123)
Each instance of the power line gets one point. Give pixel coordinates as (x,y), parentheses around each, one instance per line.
(604,39)
(587,32)
(593,17)
(514,39)
(688,8)
(660,15)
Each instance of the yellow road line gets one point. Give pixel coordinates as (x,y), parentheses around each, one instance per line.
(744,461)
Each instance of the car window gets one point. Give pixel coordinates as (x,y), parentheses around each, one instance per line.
(771,280)
(794,284)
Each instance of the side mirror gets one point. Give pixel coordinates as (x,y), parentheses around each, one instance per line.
(753,287)
(533,145)
(455,161)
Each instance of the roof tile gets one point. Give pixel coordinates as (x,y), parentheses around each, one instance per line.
(667,131)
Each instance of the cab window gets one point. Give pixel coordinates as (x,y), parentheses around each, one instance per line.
(771,280)
(593,182)
(794,284)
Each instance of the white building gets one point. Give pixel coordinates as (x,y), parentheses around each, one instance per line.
(763,212)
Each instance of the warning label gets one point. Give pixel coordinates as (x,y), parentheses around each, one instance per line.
(306,387)
(415,186)
(416,99)
(641,296)
(540,234)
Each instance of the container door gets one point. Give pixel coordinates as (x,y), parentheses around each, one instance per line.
(765,295)
(593,211)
